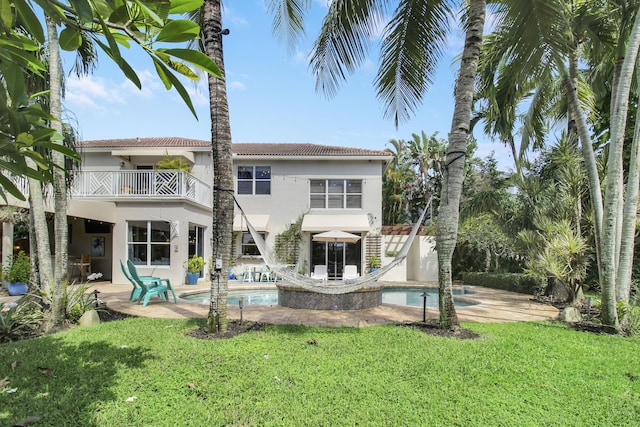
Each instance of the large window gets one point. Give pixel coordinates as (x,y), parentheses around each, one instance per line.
(336,193)
(249,247)
(149,242)
(254,179)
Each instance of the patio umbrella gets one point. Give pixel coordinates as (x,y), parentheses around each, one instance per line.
(336,236)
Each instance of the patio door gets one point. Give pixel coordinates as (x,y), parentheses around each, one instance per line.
(196,241)
(335,255)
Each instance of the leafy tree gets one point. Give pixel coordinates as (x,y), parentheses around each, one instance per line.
(108,25)
(398,183)
(547,37)
(413,178)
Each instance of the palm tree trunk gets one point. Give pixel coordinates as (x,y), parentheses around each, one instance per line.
(628,222)
(222,225)
(613,190)
(57,316)
(607,286)
(41,231)
(627,243)
(448,212)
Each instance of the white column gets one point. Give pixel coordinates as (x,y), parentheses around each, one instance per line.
(7,241)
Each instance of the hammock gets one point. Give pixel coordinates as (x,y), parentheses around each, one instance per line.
(334,286)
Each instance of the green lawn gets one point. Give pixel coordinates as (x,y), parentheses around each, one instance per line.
(517,374)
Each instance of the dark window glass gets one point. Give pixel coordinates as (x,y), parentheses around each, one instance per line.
(254,179)
(335,194)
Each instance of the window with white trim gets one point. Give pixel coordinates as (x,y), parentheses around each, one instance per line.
(249,247)
(149,242)
(335,193)
(254,179)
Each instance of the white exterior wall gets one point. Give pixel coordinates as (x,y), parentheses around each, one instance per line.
(179,212)
(288,201)
(289,198)
(421,263)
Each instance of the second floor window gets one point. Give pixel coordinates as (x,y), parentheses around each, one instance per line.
(254,179)
(335,193)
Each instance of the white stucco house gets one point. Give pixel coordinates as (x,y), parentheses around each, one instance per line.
(123,208)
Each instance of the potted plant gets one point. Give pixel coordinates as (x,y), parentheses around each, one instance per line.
(374,263)
(17,272)
(195,265)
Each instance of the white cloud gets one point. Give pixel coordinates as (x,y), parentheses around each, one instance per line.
(229,15)
(149,81)
(90,92)
(236,85)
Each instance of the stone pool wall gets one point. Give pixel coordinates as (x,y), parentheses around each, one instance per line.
(295,297)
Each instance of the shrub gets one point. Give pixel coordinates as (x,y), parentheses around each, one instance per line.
(18,268)
(629,313)
(19,320)
(514,282)
(78,302)
(195,264)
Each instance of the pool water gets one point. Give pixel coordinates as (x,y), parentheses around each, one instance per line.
(410,297)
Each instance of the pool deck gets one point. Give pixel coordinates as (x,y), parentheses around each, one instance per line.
(492,306)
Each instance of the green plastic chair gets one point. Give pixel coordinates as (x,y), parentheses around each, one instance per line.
(137,290)
(147,288)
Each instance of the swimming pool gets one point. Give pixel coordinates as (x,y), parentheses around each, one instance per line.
(410,297)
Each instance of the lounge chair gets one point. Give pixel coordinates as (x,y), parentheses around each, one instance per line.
(135,292)
(350,272)
(265,274)
(147,288)
(320,272)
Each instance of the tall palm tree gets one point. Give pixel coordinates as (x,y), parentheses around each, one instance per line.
(223,205)
(59,180)
(413,41)
(397,185)
(428,152)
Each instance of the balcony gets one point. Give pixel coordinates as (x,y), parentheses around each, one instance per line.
(141,185)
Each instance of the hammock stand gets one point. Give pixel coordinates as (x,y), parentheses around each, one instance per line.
(300,291)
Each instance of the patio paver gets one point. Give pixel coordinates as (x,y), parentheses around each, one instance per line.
(492,306)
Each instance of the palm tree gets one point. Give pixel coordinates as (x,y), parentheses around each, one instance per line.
(223,204)
(428,152)
(397,185)
(59,180)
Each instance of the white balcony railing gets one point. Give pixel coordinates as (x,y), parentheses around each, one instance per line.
(149,184)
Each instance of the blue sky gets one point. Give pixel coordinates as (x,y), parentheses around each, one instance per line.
(271,93)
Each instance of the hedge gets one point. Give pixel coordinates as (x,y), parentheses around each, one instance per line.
(514,282)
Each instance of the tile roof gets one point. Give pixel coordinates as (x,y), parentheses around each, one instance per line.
(145,142)
(404,230)
(243,149)
(257,149)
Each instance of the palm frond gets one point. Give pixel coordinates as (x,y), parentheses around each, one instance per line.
(343,43)
(413,44)
(288,20)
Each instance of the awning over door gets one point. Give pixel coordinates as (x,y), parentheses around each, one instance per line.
(259,222)
(318,223)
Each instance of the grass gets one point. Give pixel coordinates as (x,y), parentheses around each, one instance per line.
(146,372)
